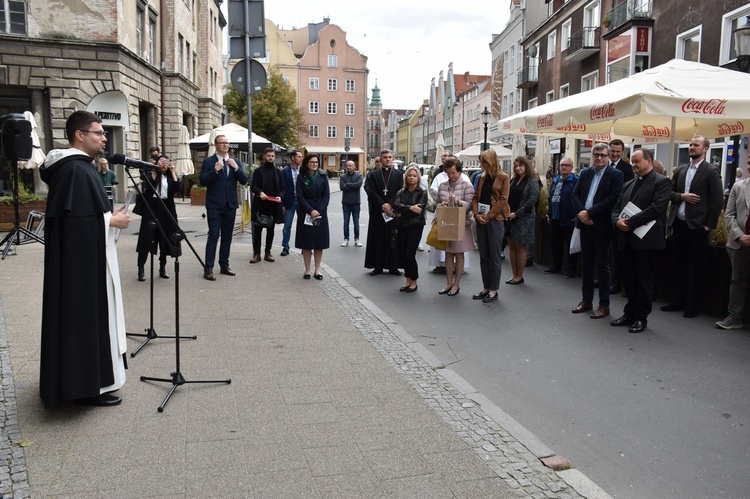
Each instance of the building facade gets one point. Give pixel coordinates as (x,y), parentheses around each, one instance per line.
(145,68)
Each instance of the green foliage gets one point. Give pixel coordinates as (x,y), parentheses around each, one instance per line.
(276,115)
(24,196)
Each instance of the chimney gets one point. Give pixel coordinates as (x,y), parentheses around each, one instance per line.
(468,80)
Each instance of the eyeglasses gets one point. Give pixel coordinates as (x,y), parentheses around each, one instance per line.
(564,164)
(100,133)
(222,143)
(600,155)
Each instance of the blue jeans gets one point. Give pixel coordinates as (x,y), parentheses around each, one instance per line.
(288,219)
(351,210)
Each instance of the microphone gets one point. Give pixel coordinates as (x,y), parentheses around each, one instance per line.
(121,159)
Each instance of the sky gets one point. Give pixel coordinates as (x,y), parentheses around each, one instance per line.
(407,42)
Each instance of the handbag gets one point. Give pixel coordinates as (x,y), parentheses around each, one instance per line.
(575,241)
(264,220)
(432,237)
(451,222)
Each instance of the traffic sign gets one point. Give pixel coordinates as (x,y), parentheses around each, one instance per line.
(258,77)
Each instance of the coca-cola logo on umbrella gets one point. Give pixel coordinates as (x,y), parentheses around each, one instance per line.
(652,131)
(602,112)
(544,121)
(709,107)
(730,128)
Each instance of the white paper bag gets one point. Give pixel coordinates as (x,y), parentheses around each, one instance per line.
(575,241)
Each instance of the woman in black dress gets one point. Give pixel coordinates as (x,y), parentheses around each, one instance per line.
(313,195)
(410,205)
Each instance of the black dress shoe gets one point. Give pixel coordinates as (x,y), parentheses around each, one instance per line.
(163,272)
(285,252)
(625,320)
(638,326)
(411,290)
(444,291)
(141,273)
(318,277)
(674,307)
(489,298)
(103,400)
(454,293)
(208,275)
(394,272)
(376,272)
(227,271)
(403,288)
(480,295)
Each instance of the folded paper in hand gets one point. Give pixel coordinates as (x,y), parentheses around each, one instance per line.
(631,210)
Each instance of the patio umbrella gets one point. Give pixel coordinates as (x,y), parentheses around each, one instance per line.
(472,153)
(439,150)
(184,161)
(37,155)
(237,136)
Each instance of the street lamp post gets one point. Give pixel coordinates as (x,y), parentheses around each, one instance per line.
(486,120)
(742,49)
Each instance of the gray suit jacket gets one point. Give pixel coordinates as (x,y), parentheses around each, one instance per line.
(737,211)
(707,184)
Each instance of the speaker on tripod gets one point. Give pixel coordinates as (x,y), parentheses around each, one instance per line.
(16,145)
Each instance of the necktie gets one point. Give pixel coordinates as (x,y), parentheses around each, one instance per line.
(226,168)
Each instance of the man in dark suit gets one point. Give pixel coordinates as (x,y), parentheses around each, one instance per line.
(594,196)
(220,174)
(616,150)
(649,192)
(289,201)
(381,188)
(697,198)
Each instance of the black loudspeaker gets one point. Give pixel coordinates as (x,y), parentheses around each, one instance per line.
(15,138)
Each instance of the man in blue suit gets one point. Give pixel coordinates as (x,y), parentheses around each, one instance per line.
(289,201)
(595,194)
(220,174)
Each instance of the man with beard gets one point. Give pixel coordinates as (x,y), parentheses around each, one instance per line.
(268,189)
(381,188)
(83,322)
(697,198)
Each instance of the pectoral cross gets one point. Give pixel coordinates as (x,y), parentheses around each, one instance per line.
(385,191)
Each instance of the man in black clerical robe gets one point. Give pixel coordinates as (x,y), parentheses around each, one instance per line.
(82,356)
(381,188)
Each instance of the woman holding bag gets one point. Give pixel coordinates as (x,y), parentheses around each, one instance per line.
(524,193)
(457,191)
(410,204)
(313,194)
(490,206)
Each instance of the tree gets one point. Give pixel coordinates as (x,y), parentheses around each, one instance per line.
(276,115)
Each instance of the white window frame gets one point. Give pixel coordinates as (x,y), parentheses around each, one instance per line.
(314,83)
(565,35)
(349,132)
(728,22)
(313,131)
(683,37)
(332,108)
(590,77)
(331,132)
(332,85)
(349,109)
(532,103)
(313,107)
(564,91)
(551,44)
(351,85)
(333,61)
(20,6)
(591,18)
(549,96)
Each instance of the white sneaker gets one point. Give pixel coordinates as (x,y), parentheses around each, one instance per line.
(345,243)
(357,243)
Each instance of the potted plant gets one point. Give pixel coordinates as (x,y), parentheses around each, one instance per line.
(197,195)
(26,203)
(606,21)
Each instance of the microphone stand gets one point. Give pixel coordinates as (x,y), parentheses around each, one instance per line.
(176,378)
(150,332)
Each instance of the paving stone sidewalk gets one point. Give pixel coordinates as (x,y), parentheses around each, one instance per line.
(329,398)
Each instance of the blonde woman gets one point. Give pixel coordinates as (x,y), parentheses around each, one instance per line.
(410,204)
(490,206)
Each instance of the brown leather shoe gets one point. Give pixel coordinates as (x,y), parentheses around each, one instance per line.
(600,313)
(208,275)
(255,259)
(269,258)
(584,306)
(227,271)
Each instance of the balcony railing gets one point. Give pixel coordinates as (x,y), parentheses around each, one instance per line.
(630,10)
(584,39)
(528,77)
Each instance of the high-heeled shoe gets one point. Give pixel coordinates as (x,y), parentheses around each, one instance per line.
(454,293)
(445,291)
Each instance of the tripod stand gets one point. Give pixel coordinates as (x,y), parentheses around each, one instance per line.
(150,333)
(176,378)
(18,230)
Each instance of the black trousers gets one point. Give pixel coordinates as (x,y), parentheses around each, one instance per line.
(638,271)
(560,236)
(258,233)
(595,262)
(409,237)
(689,259)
